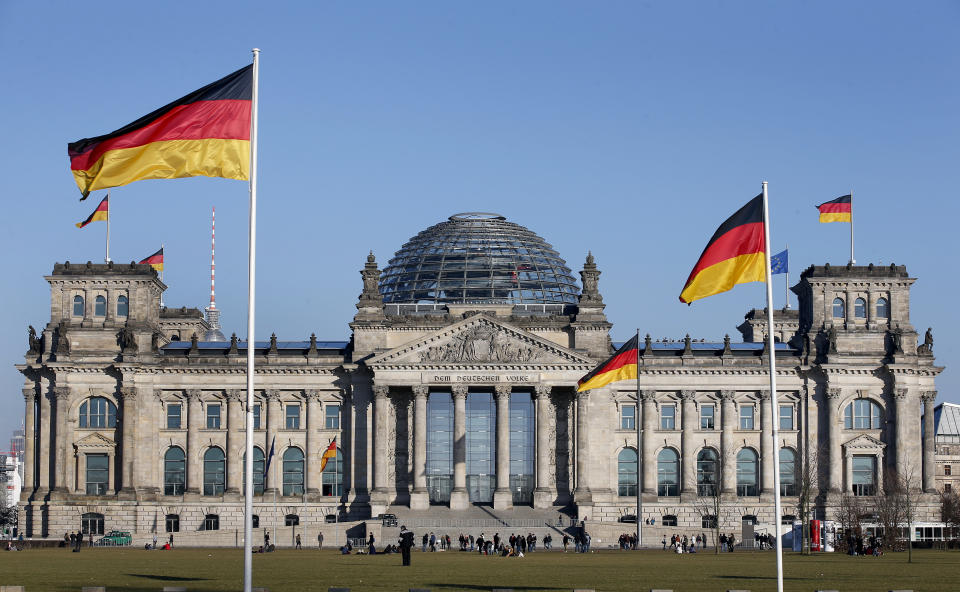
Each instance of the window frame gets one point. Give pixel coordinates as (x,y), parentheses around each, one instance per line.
(854,416)
(331,481)
(99,487)
(211,485)
(331,421)
(94,519)
(291,422)
(100,306)
(81,301)
(628,417)
(837,301)
(864,489)
(790,408)
(883,308)
(670,418)
(126,305)
(751,419)
(290,485)
(172,523)
(860,308)
(291,520)
(213,420)
(178,415)
(668,488)
(106,416)
(704,487)
(627,477)
(788,472)
(257,410)
(170,487)
(710,419)
(745,489)
(211,522)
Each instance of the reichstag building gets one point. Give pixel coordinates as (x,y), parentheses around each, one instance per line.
(455,392)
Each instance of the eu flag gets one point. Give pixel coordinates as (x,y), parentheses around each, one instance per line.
(778,263)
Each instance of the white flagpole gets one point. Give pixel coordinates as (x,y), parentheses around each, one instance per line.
(852,260)
(251,343)
(786,280)
(108,229)
(773,389)
(636,420)
(161,272)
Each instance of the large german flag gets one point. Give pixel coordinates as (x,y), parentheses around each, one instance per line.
(733,256)
(329,453)
(620,366)
(100,214)
(156,260)
(837,210)
(206,133)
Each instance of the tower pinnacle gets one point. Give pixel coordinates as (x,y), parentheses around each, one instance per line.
(213,315)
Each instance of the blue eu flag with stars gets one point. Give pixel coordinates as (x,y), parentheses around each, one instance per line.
(778,263)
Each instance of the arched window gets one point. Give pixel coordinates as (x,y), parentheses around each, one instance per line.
(788,472)
(747,473)
(332,479)
(258,468)
(100,307)
(91,523)
(627,472)
(123,306)
(213,473)
(839,311)
(98,412)
(860,308)
(862,414)
(256,520)
(883,308)
(174,471)
(291,520)
(78,306)
(293,472)
(708,472)
(668,472)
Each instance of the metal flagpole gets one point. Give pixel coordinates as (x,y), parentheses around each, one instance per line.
(107,260)
(161,272)
(251,344)
(852,260)
(786,280)
(772,369)
(636,420)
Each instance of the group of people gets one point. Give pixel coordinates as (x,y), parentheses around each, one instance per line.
(75,540)
(727,542)
(857,545)
(685,544)
(628,542)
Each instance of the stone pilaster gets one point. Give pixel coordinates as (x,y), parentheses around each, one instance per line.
(545,491)
(29,450)
(271,484)
(128,451)
(419,497)
(835,482)
(929,485)
(900,396)
(581,494)
(459,499)
(62,395)
(688,445)
(502,498)
(236,441)
(767,454)
(381,399)
(194,459)
(314,448)
(648,401)
(728,459)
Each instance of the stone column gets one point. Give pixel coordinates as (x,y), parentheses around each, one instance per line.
(688,445)
(767,455)
(582,493)
(545,491)
(833,427)
(314,448)
(900,427)
(43,442)
(236,441)
(194,459)
(728,458)
(420,497)
(62,394)
(928,397)
(111,474)
(649,462)
(380,402)
(29,458)
(274,419)
(502,497)
(110,313)
(459,499)
(128,452)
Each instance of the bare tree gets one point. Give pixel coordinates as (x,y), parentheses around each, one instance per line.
(849,513)
(710,508)
(899,502)
(950,509)
(808,489)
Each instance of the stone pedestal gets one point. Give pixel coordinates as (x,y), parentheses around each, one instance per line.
(543,498)
(459,500)
(502,499)
(419,500)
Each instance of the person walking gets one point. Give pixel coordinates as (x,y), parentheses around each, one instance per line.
(320,540)
(370,548)
(405,542)
(154,540)
(170,540)
(298,541)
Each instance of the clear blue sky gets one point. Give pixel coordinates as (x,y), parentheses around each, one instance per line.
(629,129)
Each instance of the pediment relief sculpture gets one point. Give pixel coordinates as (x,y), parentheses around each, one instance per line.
(484,343)
(864,441)
(95,441)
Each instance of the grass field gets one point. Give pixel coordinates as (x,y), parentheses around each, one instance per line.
(290,571)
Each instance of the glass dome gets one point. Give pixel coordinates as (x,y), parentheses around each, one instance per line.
(477,258)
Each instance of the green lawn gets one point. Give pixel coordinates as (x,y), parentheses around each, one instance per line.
(289,571)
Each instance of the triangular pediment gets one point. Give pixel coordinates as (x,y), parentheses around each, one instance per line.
(95,440)
(480,339)
(864,441)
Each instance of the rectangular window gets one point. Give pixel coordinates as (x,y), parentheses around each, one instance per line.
(947,488)
(256,416)
(98,474)
(211,522)
(864,475)
(332,417)
(746,417)
(173,416)
(786,417)
(946,470)
(628,417)
(668,417)
(213,416)
(293,417)
(707,416)
(173,522)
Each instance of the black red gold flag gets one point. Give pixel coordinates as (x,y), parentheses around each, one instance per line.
(156,260)
(837,210)
(329,453)
(622,365)
(102,213)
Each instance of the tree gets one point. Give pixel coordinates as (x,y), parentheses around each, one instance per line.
(808,489)
(709,503)
(8,516)
(849,513)
(950,509)
(898,504)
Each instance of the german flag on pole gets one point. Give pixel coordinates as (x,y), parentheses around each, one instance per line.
(837,210)
(206,133)
(329,453)
(101,214)
(733,256)
(156,260)
(622,365)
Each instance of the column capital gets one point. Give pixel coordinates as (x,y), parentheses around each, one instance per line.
(421,391)
(61,393)
(502,391)
(29,393)
(648,395)
(236,395)
(583,395)
(900,394)
(764,394)
(311,394)
(928,397)
(687,395)
(459,391)
(271,395)
(192,395)
(380,391)
(128,393)
(542,391)
(728,395)
(833,393)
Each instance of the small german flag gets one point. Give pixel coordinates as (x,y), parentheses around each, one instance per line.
(329,453)
(622,365)
(156,260)
(204,133)
(101,214)
(733,256)
(837,210)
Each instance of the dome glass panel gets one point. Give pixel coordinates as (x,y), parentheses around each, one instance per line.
(477,258)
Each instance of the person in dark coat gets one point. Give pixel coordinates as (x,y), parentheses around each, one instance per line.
(406,542)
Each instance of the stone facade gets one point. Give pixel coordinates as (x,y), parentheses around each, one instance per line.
(121,389)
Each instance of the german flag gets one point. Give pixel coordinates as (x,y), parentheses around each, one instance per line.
(620,366)
(330,452)
(101,214)
(156,260)
(837,210)
(733,256)
(204,133)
